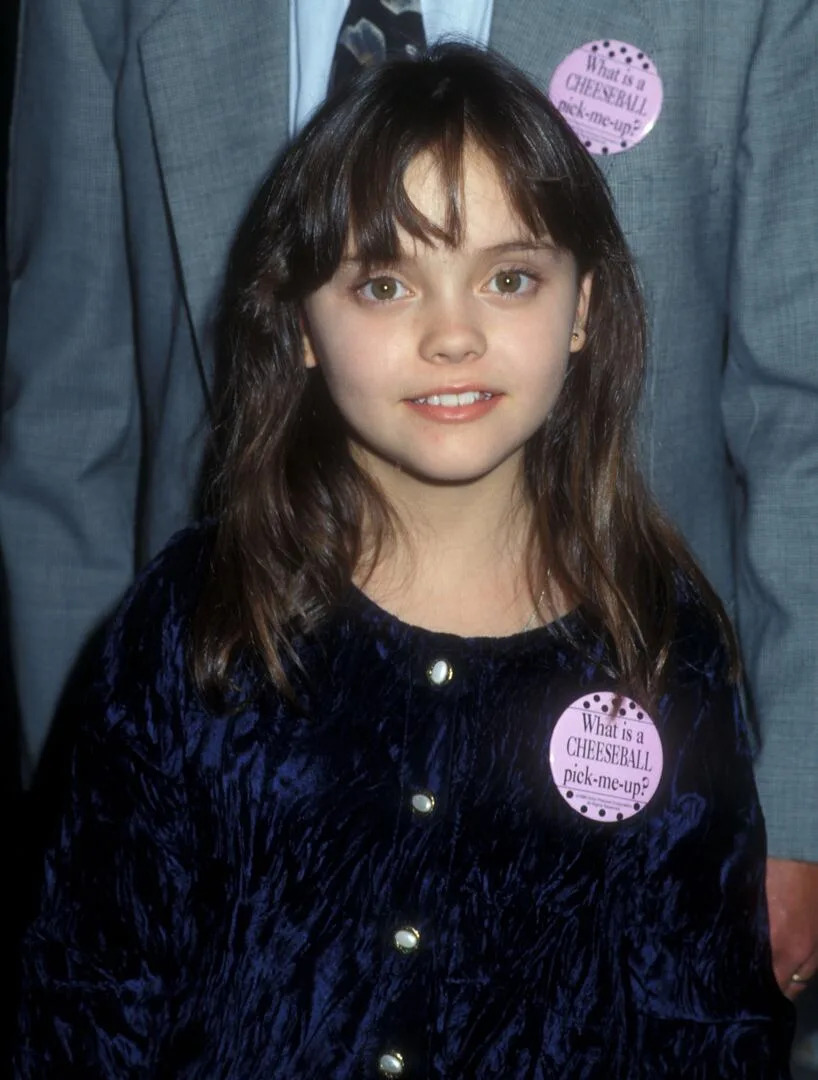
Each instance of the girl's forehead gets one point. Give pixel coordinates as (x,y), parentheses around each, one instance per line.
(465,205)
(431,187)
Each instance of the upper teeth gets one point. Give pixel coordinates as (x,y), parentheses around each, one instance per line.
(467,398)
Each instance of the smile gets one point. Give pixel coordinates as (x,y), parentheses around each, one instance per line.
(452,406)
(468,397)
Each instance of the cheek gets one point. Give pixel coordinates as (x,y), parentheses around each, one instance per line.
(556,389)
(543,345)
(341,379)
(548,371)
(362,364)
(551,387)
(352,380)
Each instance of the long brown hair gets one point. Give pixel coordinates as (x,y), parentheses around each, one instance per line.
(288,497)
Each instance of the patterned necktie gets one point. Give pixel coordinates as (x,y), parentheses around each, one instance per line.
(373,30)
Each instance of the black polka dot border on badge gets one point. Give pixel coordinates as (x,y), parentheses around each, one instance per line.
(606,757)
(610,93)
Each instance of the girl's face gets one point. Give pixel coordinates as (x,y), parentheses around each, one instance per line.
(446,362)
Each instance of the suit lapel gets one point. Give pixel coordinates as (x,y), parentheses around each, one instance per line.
(537,36)
(216,77)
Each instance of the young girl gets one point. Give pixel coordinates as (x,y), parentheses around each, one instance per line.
(424,758)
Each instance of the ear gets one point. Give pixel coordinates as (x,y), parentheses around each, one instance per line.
(579,335)
(310,359)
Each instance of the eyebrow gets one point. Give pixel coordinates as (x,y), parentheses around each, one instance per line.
(519,244)
(523,244)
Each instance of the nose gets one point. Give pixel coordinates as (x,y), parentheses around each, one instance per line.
(452,332)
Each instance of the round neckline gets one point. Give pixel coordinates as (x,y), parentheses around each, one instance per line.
(372,612)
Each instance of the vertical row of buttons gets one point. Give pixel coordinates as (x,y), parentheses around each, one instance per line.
(406,939)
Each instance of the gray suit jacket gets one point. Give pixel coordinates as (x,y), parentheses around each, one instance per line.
(141,132)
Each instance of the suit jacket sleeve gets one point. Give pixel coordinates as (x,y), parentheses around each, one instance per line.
(68,472)
(770,407)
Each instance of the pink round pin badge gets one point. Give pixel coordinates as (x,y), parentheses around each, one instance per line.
(606,756)
(610,93)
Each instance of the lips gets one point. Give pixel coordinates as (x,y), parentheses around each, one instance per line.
(455,405)
(452,400)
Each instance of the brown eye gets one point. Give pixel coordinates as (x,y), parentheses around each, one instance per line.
(382,288)
(508,281)
(514,282)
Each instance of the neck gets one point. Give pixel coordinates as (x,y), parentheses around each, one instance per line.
(459,561)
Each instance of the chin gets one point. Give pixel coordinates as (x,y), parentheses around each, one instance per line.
(455,474)
(438,466)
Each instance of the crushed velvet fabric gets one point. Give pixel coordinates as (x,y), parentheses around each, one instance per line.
(225,891)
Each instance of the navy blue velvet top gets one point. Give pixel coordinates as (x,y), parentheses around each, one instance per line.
(389,880)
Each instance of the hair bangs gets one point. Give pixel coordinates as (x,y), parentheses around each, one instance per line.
(379,207)
(359,148)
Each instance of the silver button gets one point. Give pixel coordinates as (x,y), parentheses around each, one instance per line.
(391,1064)
(439,672)
(423,802)
(406,939)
